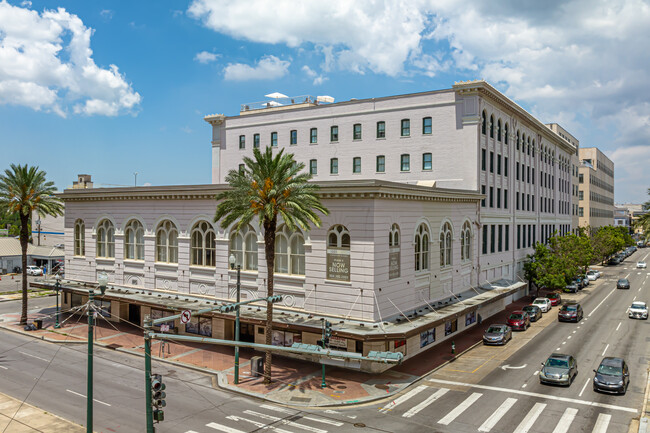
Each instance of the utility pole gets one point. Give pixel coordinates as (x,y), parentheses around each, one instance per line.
(38,223)
(232,259)
(135,181)
(102,281)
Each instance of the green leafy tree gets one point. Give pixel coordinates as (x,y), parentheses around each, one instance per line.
(607,241)
(545,268)
(269,187)
(24,190)
(644,220)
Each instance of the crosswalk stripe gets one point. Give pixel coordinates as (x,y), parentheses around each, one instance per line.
(460,408)
(528,422)
(403,398)
(293,412)
(284,421)
(497,415)
(601,423)
(425,403)
(566,420)
(259,425)
(223,428)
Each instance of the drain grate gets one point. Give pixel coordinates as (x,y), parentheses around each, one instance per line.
(113,346)
(341,387)
(301,399)
(359,424)
(380,386)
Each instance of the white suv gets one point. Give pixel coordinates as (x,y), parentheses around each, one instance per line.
(34,270)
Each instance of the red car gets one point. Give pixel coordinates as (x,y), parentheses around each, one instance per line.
(555,298)
(518,320)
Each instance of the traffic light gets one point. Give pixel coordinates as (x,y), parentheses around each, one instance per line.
(228,308)
(157,397)
(328,333)
(274,299)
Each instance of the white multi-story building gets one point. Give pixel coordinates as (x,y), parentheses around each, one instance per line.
(435,200)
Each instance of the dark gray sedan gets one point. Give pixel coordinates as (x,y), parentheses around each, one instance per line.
(534,312)
(623,283)
(559,369)
(612,375)
(497,334)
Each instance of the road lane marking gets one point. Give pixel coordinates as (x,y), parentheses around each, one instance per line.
(601,423)
(497,415)
(606,347)
(34,356)
(559,348)
(403,398)
(524,385)
(601,302)
(528,422)
(257,424)
(3,367)
(537,394)
(563,343)
(626,277)
(575,332)
(425,403)
(566,420)
(578,327)
(619,325)
(583,388)
(460,408)
(536,373)
(94,399)
(569,337)
(284,421)
(293,412)
(223,428)
(634,298)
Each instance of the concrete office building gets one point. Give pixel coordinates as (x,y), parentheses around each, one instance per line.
(596,188)
(435,200)
(575,163)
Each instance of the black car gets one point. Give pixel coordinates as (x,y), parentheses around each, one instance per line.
(623,283)
(497,334)
(612,375)
(614,261)
(570,312)
(534,312)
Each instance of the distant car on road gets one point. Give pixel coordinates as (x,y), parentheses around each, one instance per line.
(638,310)
(534,312)
(519,320)
(497,334)
(543,303)
(641,265)
(570,312)
(623,283)
(559,369)
(555,298)
(612,375)
(34,270)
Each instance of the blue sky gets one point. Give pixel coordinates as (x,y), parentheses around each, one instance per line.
(110,88)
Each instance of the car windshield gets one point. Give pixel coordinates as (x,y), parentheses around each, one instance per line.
(610,370)
(539,301)
(569,308)
(638,305)
(516,316)
(495,330)
(622,281)
(552,296)
(554,362)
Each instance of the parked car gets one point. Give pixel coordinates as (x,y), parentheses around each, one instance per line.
(571,288)
(543,303)
(614,261)
(534,312)
(34,270)
(623,283)
(592,276)
(497,334)
(585,280)
(641,265)
(638,310)
(555,298)
(596,272)
(612,375)
(570,312)
(559,369)
(580,283)
(519,320)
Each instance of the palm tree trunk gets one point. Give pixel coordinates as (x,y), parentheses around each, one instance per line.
(24,239)
(269,252)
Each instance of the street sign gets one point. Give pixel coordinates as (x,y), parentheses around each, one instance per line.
(185,316)
(164,328)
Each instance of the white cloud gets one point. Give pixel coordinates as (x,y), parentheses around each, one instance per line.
(317,79)
(46,64)
(107,14)
(268,68)
(206,57)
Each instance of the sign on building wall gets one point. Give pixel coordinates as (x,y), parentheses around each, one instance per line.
(427,337)
(393,264)
(285,338)
(451,326)
(339,343)
(338,266)
(470,318)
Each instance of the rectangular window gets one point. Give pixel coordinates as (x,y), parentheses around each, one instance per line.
(498,198)
(426,126)
(426,161)
(491,162)
(534,234)
(242,142)
(528,202)
(293,137)
(356,164)
(483,192)
(529,238)
(334,133)
(256,141)
(498,164)
(274,139)
(533,175)
(581,212)
(313,167)
(581,195)
(505,199)
(405,162)
(406,127)
(381,129)
(334,166)
(500,238)
(581,178)
(492,236)
(381,164)
(517,170)
(485,239)
(483,159)
(533,203)
(491,196)
(523,235)
(242,168)
(507,239)
(518,236)
(356,131)
(528,174)
(313,135)
(505,166)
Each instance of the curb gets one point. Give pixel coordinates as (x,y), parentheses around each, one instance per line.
(2,299)
(644,420)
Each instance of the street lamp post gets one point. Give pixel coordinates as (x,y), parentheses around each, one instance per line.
(57,287)
(102,281)
(232,259)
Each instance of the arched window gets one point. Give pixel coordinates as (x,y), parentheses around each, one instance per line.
(499,130)
(518,138)
(465,242)
(243,244)
(134,240)
(422,248)
(289,252)
(505,133)
(338,253)
(491,126)
(105,239)
(394,252)
(533,148)
(483,123)
(167,242)
(203,244)
(445,245)
(79,238)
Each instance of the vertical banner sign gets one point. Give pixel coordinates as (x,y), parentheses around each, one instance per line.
(338,266)
(393,264)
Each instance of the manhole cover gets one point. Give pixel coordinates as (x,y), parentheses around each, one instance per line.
(301,399)
(113,346)
(342,387)
(359,424)
(380,386)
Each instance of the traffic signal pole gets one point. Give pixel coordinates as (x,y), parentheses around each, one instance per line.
(323,384)
(89,381)
(147,374)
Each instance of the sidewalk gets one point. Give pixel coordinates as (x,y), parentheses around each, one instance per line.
(30,419)
(295,382)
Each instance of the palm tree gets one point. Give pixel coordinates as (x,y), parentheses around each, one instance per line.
(267,187)
(644,220)
(23,191)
